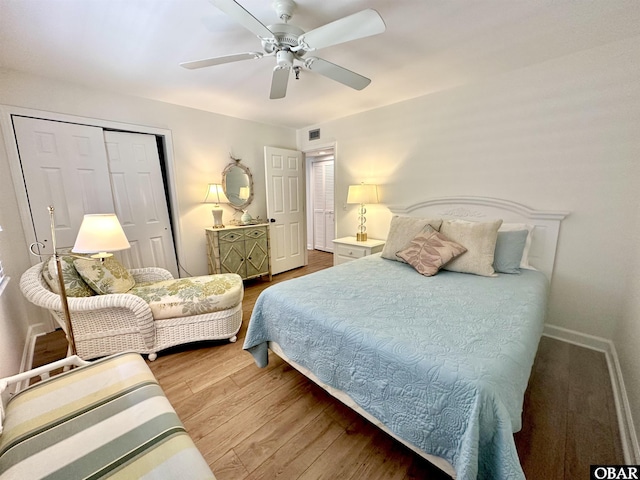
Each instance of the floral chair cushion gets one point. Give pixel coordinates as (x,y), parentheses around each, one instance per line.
(74,285)
(109,276)
(182,297)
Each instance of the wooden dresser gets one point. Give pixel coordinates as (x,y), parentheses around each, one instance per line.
(239,249)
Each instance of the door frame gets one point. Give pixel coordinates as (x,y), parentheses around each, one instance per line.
(309,175)
(11,146)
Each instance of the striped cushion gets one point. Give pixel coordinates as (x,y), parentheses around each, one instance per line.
(108,419)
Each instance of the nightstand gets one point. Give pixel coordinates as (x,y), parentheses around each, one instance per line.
(348,248)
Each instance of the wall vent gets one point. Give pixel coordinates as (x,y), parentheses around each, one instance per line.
(314,134)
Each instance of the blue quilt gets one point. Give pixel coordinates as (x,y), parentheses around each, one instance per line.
(442,361)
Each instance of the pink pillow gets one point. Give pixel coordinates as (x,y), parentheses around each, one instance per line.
(429,251)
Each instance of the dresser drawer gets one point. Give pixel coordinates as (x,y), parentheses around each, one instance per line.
(231,237)
(350,251)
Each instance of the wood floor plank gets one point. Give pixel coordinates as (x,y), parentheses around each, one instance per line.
(230,433)
(247,375)
(204,376)
(542,441)
(228,467)
(220,409)
(588,419)
(271,436)
(190,404)
(342,458)
(296,455)
(384,459)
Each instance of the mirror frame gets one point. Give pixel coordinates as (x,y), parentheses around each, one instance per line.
(236,164)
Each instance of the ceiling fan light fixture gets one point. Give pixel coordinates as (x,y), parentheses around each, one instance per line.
(284,58)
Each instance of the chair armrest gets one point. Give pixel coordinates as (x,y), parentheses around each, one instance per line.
(89,311)
(150,274)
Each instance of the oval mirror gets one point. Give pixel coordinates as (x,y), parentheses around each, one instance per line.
(237,183)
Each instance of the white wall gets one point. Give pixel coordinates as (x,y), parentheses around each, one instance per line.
(202,143)
(13,311)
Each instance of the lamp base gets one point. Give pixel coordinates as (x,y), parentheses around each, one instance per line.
(217,217)
(361,237)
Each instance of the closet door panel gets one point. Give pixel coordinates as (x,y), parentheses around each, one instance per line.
(139,198)
(63,165)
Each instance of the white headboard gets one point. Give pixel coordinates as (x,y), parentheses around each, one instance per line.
(544,239)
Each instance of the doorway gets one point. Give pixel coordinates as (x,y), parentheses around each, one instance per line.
(320,199)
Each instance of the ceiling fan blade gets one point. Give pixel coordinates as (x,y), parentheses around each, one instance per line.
(337,73)
(279,83)
(243,17)
(209,62)
(359,25)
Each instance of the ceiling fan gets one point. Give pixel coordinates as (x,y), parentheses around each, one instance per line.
(290,44)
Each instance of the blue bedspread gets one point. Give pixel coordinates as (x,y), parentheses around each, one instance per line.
(442,361)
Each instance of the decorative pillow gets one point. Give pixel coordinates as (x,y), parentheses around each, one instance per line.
(429,251)
(402,230)
(105,277)
(479,238)
(74,285)
(509,248)
(510,227)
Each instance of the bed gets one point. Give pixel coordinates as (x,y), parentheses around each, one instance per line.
(440,362)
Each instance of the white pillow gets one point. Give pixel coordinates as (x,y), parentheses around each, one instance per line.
(402,230)
(512,227)
(479,238)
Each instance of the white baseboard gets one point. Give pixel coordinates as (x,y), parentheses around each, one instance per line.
(630,445)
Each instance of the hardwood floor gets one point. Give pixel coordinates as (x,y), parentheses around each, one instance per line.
(253,423)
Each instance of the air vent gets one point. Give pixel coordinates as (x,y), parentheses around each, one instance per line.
(314,134)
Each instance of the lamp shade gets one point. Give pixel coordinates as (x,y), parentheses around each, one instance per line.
(215,194)
(363,193)
(100,233)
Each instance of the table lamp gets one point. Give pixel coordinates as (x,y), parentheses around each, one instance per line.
(216,195)
(365,193)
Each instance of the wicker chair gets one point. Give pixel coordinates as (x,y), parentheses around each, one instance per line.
(122,322)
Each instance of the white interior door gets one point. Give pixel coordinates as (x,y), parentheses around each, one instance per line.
(64,165)
(323,204)
(139,198)
(284,176)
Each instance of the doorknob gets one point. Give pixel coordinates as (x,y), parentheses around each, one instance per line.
(272,220)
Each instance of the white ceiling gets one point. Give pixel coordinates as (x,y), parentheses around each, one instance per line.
(134,47)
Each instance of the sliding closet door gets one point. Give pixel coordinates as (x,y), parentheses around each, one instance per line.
(139,198)
(64,165)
